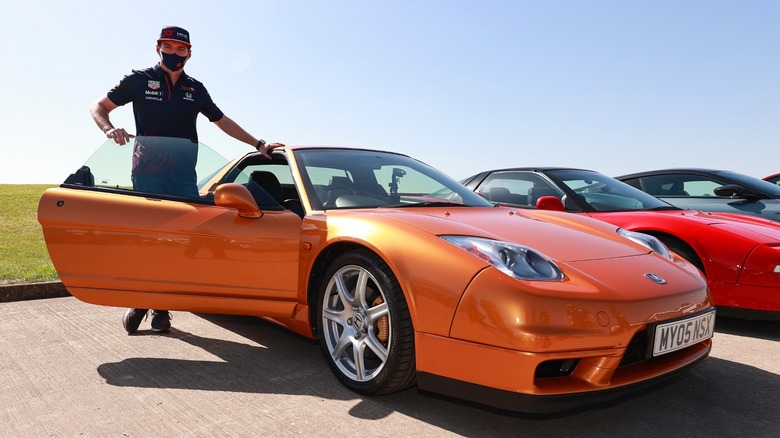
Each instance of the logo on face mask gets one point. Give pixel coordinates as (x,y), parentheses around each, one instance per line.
(172,61)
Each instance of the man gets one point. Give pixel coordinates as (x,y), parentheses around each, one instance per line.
(166,103)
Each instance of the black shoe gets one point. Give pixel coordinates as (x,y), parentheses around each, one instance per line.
(132,319)
(161,321)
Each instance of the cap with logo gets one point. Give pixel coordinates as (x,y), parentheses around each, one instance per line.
(174,33)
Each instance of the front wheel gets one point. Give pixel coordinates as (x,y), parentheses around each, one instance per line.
(365,329)
(683,250)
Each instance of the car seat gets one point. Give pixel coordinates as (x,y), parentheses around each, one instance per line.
(270,183)
(534,193)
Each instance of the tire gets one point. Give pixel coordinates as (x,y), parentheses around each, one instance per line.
(683,250)
(364,326)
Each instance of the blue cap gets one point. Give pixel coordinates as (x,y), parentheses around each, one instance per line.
(173,33)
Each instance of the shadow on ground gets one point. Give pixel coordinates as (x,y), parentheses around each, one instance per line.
(718,397)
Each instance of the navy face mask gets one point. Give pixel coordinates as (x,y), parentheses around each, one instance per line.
(173,61)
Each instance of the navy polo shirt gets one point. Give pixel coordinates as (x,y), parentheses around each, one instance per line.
(164,109)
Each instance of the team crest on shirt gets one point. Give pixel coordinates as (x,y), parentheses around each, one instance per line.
(154,85)
(188,96)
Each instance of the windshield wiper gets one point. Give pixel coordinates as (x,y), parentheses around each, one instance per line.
(431,204)
(664,207)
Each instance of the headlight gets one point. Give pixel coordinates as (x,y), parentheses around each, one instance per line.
(647,241)
(514,260)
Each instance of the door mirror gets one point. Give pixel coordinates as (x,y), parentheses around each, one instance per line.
(549,203)
(232,195)
(735,191)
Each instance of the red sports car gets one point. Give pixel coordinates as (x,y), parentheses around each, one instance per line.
(739,254)
(774,179)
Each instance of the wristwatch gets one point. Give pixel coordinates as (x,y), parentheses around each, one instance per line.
(260,144)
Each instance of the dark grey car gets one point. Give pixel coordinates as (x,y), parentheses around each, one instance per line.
(710,190)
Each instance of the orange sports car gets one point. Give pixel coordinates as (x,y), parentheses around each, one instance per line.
(404,275)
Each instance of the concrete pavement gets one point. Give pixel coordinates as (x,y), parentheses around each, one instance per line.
(68,369)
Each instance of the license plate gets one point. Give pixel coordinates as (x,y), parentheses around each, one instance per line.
(673,336)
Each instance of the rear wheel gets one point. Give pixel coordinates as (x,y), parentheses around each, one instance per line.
(365,330)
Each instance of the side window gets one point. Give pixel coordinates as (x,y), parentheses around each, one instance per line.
(281,171)
(662,185)
(701,186)
(679,185)
(155,167)
(654,185)
(516,188)
(270,183)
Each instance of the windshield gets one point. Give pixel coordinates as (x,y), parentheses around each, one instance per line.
(351,178)
(113,166)
(603,193)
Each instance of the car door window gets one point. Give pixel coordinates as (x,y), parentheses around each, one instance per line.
(270,183)
(701,186)
(518,188)
(677,185)
(111,167)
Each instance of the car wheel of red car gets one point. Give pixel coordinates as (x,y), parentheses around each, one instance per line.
(683,250)
(365,330)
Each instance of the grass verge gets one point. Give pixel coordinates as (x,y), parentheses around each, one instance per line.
(23,254)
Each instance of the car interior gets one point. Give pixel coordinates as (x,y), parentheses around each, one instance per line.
(516,188)
(270,183)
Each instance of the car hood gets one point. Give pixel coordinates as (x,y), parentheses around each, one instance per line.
(561,236)
(757,228)
(755,225)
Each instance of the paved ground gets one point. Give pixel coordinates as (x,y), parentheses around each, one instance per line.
(67,369)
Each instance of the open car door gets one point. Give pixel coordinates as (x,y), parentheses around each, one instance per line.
(117,246)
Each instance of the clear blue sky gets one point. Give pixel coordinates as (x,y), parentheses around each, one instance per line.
(616,86)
